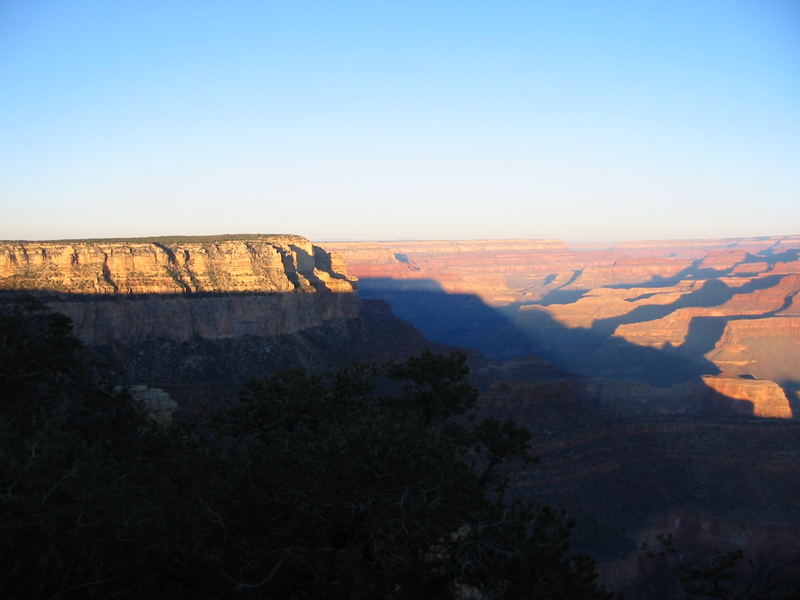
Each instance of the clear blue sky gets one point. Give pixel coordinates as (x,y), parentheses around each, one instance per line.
(400,119)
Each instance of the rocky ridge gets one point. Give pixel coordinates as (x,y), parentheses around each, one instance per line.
(171,265)
(178,288)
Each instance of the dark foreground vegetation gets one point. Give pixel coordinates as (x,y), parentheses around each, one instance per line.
(367,483)
(373,482)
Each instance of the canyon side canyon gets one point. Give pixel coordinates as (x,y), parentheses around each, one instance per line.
(661,380)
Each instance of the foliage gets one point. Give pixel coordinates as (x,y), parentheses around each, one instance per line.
(683,574)
(365,483)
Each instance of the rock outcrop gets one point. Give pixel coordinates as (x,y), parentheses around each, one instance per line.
(246,263)
(767,349)
(759,397)
(156,403)
(179,288)
(481,267)
(674,328)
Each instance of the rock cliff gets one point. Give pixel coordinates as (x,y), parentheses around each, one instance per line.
(760,398)
(132,290)
(169,265)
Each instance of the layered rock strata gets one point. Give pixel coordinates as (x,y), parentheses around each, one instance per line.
(179,288)
(758,397)
(653,313)
(247,263)
(505,271)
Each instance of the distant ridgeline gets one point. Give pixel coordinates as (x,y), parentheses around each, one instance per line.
(175,311)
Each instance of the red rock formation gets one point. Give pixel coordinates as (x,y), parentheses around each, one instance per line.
(651,294)
(505,271)
(483,267)
(628,270)
(765,348)
(604,303)
(791,266)
(162,266)
(766,398)
(722,260)
(674,327)
(753,268)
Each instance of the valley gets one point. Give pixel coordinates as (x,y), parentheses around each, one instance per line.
(657,314)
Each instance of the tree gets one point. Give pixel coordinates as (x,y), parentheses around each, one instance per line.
(371,482)
(685,573)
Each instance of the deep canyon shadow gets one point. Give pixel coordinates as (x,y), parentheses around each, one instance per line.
(508,333)
(462,320)
(713,293)
(465,320)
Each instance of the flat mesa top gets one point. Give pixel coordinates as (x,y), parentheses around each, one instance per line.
(169,239)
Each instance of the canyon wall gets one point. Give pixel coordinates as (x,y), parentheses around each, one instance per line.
(179,288)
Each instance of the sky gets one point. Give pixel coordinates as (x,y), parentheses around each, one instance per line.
(577,120)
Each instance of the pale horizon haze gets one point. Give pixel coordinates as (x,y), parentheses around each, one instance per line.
(416,120)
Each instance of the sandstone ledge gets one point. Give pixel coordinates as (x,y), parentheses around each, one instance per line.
(170,265)
(179,288)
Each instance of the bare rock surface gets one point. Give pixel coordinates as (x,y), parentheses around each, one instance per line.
(247,263)
(182,287)
(157,404)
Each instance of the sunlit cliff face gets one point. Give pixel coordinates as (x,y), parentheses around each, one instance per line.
(182,288)
(663,311)
(172,265)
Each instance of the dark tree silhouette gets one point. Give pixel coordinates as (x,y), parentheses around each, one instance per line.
(372,482)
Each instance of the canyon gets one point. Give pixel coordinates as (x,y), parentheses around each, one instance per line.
(657,314)
(659,379)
